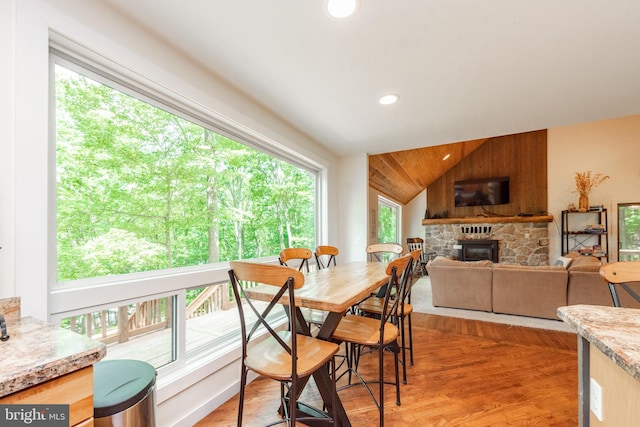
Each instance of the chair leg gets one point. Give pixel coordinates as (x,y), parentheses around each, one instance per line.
(403,349)
(410,340)
(243,383)
(381,385)
(395,357)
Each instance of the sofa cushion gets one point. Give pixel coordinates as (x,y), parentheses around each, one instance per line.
(585,263)
(535,291)
(530,267)
(441,261)
(459,284)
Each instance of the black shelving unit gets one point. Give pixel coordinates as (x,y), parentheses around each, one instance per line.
(577,236)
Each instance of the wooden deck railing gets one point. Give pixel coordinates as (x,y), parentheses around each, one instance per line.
(629,255)
(118,325)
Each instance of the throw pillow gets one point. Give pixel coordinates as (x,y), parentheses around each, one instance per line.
(563,261)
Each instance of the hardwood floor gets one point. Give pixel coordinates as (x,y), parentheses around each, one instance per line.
(466,373)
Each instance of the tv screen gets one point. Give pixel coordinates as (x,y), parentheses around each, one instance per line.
(482,192)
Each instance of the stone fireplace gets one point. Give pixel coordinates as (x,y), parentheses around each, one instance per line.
(522,241)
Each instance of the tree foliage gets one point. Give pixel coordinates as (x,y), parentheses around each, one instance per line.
(140,189)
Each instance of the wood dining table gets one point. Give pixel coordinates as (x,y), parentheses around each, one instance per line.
(333,290)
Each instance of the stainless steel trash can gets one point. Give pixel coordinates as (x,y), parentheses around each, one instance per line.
(124,394)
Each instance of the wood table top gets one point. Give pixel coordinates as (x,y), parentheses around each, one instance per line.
(333,289)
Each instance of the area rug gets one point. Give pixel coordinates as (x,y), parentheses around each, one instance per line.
(422,303)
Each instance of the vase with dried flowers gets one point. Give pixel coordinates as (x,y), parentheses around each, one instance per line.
(585,181)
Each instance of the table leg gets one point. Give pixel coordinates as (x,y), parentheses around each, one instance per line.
(322,377)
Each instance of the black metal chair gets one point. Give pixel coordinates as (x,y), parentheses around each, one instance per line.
(383,252)
(326,253)
(381,334)
(621,273)
(284,355)
(303,255)
(374,306)
(417,243)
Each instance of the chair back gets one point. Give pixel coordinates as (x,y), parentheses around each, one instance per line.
(416,244)
(404,267)
(326,253)
(621,272)
(400,265)
(245,275)
(383,252)
(399,271)
(291,255)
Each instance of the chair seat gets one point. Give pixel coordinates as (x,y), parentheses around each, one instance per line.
(374,305)
(268,358)
(364,331)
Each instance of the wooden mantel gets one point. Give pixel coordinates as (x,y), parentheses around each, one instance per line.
(488,220)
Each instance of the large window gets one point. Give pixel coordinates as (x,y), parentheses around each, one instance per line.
(144,192)
(141,189)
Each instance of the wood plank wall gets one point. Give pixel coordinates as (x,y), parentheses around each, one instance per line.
(522,157)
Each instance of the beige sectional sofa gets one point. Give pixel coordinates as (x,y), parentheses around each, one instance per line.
(534,291)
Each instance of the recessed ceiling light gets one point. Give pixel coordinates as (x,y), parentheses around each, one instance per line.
(446,157)
(341,8)
(392,98)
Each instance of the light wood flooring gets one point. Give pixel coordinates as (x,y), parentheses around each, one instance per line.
(466,373)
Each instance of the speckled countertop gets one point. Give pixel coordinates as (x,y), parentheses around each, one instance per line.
(38,351)
(614,331)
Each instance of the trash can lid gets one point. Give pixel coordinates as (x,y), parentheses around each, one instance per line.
(119,385)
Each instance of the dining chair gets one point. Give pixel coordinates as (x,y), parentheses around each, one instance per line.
(417,243)
(383,252)
(326,253)
(302,255)
(284,355)
(621,273)
(374,306)
(381,334)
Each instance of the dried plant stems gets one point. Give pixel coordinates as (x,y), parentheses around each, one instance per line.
(585,181)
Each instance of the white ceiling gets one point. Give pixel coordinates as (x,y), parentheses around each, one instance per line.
(464,69)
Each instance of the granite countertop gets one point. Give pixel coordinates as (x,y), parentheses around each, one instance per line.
(38,351)
(613,330)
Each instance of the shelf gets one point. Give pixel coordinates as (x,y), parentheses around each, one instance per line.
(587,232)
(488,220)
(587,238)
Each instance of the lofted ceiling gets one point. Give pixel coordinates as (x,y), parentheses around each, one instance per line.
(464,70)
(402,175)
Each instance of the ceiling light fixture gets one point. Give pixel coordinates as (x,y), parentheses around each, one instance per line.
(446,157)
(341,8)
(392,98)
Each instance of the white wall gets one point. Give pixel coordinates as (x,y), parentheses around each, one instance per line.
(413,216)
(610,147)
(353,194)
(7,135)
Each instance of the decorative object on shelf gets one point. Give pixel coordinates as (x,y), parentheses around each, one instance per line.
(585,181)
(572,208)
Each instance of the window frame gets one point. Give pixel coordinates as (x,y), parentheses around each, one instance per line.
(67,299)
(386,202)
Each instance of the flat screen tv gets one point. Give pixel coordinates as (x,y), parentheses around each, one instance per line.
(482,192)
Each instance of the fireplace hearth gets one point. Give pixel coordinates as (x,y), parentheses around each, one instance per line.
(478,250)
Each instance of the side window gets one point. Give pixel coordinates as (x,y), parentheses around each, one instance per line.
(629,232)
(388,221)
